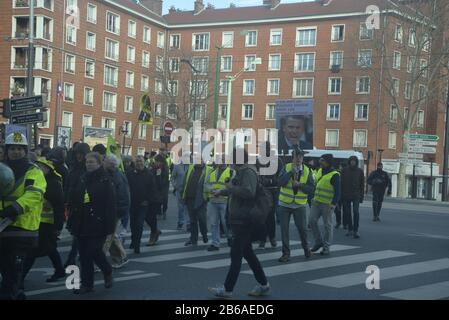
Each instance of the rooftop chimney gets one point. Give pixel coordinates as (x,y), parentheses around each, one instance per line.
(172,9)
(273,4)
(199,6)
(153,5)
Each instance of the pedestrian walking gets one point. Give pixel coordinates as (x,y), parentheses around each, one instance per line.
(327,195)
(177,180)
(94,211)
(113,245)
(52,222)
(142,188)
(379,182)
(352,193)
(242,192)
(296,181)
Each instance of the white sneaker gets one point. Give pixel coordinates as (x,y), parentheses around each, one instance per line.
(220,291)
(260,290)
(120,264)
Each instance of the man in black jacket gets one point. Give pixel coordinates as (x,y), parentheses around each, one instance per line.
(352,191)
(379,181)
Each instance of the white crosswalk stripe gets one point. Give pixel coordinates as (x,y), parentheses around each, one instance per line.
(432,291)
(404,270)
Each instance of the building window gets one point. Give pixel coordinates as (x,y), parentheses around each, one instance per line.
(144,83)
(334,86)
(226,63)
(426,42)
(412,38)
(361,112)
(108,123)
(406,114)
(142,131)
(248,138)
(129,79)
(129,104)
(92,13)
(112,23)
(247,111)
(110,76)
(250,62)
(336,59)
(88,96)
(156,133)
(127,127)
(112,49)
(87,120)
(365,58)
(157,109)
(393,113)
(360,138)
(273,87)
(249,87)
(274,62)
(422,92)
(173,88)
(109,101)
(306,37)
(146,34)
(131,54)
(200,41)
(411,60)
(304,62)
(397,60)
(303,88)
(201,64)
(275,37)
(199,113)
(69,92)
(132,29)
(222,111)
(71,35)
(333,112)
(363,85)
(338,33)
(224,87)
(365,32)
(90,41)
(175,41)
(90,69)
(174,64)
(199,89)
(424,68)
(270,112)
(45,124)
(398,33)
(227,39)
(158,87)
(392,140)
(145,59)
(420,119)
(67,119)
(70,63)
(159,63)
(160,40)
(251,39)
(395,87)
(332,137)
(408,90)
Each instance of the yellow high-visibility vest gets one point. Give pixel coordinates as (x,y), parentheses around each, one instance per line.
(287,194)
(325,192)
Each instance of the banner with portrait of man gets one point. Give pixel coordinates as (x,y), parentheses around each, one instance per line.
(294,121)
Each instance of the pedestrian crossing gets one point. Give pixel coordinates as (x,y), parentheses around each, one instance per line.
(170,250)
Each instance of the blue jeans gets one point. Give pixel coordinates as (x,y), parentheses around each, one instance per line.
(217,213)
(183,214)
(299,216)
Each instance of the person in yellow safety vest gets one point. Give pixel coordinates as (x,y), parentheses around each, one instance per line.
(216,207)
(327,195)
(194,197)
(52,222)
(209,168)
(296,181)
(20,212)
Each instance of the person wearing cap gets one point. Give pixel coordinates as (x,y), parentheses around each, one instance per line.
(23,208)
(52,222)
(327,195)
(296,182)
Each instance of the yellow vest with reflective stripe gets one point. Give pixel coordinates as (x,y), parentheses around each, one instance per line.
(317,174)
(220,184)
(189,173)
(324,191)
(287,195)
(29,199)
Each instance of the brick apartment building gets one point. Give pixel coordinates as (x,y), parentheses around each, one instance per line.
(318,50)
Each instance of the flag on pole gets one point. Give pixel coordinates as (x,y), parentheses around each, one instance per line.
(145,116)
(59,92)
(114,148)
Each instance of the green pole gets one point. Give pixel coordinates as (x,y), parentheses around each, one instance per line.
(217,85)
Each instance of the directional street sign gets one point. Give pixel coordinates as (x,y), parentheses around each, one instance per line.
(422,149)
(411,156)
(421,143)
(410,161)
(28,118)
(26,104)
(423,137)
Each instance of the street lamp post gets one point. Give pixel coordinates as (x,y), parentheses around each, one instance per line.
(124,131)
(30,80)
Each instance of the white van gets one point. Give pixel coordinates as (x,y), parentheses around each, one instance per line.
(340,156)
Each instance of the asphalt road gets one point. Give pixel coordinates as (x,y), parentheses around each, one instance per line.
(410,247)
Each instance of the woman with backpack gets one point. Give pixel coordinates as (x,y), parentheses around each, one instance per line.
(241,191)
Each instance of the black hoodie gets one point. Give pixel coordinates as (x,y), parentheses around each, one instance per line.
(76,171)
(352,182)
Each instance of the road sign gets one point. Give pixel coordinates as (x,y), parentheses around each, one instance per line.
(28,118)
(422,149)
(430,137)
(411,156)
(421,143)
(26,104)
(168,128)
(410,161)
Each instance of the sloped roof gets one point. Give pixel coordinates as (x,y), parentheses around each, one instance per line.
(140,9)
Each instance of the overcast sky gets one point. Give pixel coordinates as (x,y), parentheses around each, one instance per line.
(188,4)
